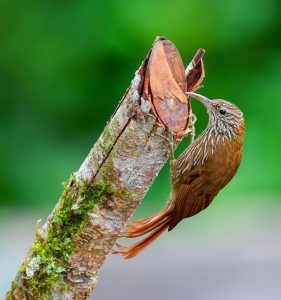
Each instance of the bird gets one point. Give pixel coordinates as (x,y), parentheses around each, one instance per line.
(197,175)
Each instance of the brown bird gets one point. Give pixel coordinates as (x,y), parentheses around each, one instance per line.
(197,176)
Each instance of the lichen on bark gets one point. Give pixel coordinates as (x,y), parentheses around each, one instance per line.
(46,264)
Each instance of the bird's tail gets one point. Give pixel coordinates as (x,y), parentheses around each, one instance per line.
(156,224)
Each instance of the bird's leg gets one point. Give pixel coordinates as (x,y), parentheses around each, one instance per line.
(191,127)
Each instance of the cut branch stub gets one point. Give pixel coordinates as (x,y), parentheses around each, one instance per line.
(166,83)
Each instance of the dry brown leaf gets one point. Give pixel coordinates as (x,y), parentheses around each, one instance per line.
(166,83)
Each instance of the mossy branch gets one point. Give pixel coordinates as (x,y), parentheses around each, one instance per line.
(69,250)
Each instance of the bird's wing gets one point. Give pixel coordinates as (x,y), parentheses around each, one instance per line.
(186,204)
(193,186)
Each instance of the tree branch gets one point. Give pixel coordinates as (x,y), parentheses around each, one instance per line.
(98,200)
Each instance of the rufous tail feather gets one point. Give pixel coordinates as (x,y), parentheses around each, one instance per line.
(155,224)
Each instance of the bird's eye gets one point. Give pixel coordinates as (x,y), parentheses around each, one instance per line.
(222,111)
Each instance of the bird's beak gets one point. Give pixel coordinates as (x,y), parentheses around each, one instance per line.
(207,102)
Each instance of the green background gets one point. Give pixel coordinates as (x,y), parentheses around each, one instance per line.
(64,65)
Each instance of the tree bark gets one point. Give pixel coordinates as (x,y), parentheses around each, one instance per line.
(98,200)
(122,166)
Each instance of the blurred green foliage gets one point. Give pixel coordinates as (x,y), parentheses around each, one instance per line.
(64,65)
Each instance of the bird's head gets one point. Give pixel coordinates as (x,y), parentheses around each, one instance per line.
(224,116)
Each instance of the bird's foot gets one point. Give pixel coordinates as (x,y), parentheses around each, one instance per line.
(191,127)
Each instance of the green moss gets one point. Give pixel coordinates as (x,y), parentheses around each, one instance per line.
(125,192)
(109,135)
(9,295)
(48,257)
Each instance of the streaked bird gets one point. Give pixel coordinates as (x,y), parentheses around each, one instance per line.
(200,172)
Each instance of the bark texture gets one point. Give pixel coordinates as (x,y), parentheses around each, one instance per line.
(126,159)
(70,248)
